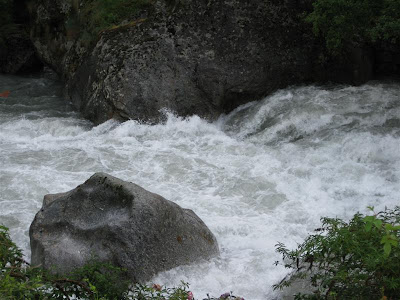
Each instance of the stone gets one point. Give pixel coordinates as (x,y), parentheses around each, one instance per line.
(202,57)
(192,57)
(118,222)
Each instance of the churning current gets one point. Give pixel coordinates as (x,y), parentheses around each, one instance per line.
(263,174)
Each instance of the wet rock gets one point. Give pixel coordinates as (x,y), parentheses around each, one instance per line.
(117,222)
(201,57)
(192,57)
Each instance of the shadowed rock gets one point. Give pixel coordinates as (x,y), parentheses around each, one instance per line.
(193,57)
(117,222)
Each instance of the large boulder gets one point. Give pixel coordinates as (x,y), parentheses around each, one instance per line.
(203,57)
(117,222)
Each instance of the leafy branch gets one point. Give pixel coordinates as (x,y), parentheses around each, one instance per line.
(359,259)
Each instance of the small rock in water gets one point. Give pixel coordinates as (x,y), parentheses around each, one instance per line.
(118,222)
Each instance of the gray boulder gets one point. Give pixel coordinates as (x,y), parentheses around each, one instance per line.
(117,222)
(203,57)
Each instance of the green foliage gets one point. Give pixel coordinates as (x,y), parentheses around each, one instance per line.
(93,281)
(388,23)
(103,280)
(387,228)
(16,282)
(20,281)
(342,22)
(143,292)
(96,16)
(97,281)
(355,260)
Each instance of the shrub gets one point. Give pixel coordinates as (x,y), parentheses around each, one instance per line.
(99,15)
(359,259)
(99,281)
(93,281)
(387,25)
(355,22)
(20,281)
(87,19)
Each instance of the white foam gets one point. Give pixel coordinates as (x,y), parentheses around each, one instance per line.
(264,173)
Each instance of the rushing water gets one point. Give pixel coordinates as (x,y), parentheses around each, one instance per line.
(264,173)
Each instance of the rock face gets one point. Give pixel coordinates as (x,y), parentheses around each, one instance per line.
(201,57)
(117,222)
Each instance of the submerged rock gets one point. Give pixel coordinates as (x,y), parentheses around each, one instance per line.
(117,222)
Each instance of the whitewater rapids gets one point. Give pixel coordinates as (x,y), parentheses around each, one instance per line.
(264,173)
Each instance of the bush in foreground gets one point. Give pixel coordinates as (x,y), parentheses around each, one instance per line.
(359,259)
(98,281)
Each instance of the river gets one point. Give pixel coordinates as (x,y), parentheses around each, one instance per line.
(263,174)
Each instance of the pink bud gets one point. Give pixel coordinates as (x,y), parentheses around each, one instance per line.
(190,296)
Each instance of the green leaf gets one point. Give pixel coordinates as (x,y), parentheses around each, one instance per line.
(387,248)
(388,227)
(394,243)
(369,218)
(342,256)
(378,223)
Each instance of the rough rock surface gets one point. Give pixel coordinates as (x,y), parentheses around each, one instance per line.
(199,57)
(117,222)
(205,58)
